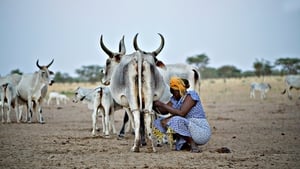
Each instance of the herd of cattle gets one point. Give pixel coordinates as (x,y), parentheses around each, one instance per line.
(130,82)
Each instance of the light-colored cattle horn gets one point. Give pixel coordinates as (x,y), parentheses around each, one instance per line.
(122,48)
(154,53)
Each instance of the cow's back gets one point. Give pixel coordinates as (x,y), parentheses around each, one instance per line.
(293,80)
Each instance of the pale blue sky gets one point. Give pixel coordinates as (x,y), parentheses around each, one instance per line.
(229,32)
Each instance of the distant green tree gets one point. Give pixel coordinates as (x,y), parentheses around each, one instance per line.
(63,77)
(228,71)
(248,73)
(209,72)
(199,60)
(17,71)
(262,68)
(91,73)
(289,65)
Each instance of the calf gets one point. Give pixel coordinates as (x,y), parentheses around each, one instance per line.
(8,95)
(58,97)
(98,99)
(263,88)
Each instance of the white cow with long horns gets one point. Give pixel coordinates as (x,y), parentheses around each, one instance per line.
(33,88)
(135,83)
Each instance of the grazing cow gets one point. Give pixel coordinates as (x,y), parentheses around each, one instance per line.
(8,95)
(58,97)
(135,83)
(32,89)
(291,81)
(98,99)
(263,88)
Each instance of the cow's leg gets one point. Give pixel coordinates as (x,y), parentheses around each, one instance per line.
(94,121)
(125,120)
(112,120)
(105,123)
(252,94)
(263,95)
(49,99)
(8,111)
(148,115)
(136,118)
(16,108)
(127,128)
(2,104)
(106,120)
(29,110)
(142,130)
(40,112)
(20,107)
(2,110)
(289,93)
(57,101)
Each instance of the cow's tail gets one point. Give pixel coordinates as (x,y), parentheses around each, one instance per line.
(140,82)
(197,84)
(283,91)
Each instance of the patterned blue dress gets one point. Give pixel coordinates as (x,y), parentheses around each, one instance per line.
(194,124)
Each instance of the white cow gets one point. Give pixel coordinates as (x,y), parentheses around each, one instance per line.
(135,83)
(181,70)
(58,97)
(263,88)
(32,89)
(8,95)
(98,99)
(291,81)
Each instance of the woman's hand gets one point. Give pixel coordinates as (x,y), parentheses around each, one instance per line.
(158,103)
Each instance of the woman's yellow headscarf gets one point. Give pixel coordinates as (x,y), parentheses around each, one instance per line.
(177,83)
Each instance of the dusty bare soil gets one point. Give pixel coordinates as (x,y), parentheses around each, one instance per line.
(259,134)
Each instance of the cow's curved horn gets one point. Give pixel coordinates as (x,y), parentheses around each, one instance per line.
(122,48)
(105,49)
(50,63)
(161,46)
(37,64)
(154,53)
(135,45)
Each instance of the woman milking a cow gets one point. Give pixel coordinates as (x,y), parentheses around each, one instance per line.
(187,123)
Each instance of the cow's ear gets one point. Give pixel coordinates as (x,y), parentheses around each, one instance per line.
(160,64)
(118,58)
(51,73)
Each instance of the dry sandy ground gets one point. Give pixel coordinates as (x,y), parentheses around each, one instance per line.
(259,134)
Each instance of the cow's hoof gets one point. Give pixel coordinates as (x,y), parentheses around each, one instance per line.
(120,137)
(158,145)
(107,136)
(135,149)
